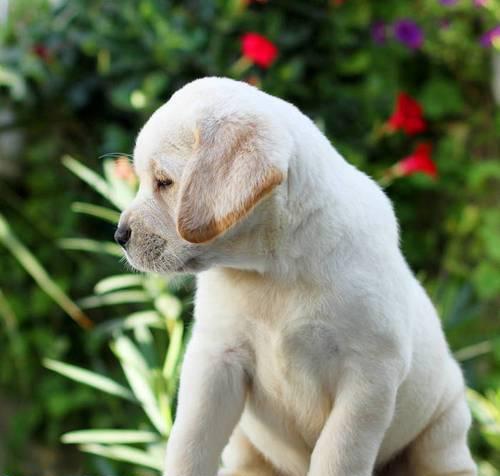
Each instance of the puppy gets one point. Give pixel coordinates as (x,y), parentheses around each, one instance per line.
(314,351)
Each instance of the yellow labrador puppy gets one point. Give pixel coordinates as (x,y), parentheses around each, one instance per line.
(315,351)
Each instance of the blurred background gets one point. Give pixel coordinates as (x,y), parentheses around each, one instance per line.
(408,91)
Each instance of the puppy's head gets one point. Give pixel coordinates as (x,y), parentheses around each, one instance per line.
(205,160)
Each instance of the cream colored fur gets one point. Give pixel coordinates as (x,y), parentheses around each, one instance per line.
(314,351)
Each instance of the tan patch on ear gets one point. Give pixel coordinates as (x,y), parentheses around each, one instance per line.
(224,183)
(216,226)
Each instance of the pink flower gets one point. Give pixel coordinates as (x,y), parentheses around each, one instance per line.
(418,162)
(491,37)
(123,169)
(259,49)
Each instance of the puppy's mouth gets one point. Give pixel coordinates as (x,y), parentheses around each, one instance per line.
(164,263)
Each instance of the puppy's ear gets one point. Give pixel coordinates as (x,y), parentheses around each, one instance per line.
(222,184)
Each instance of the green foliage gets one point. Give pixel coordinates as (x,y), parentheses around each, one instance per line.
(152,387)
(486,411)
(78,79)
(33,267)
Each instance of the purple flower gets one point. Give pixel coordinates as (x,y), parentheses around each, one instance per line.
(491,36)
(480,3)
(448,3)
(379,32)
(409,33)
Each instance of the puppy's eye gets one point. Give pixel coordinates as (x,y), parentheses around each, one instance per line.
(163,183)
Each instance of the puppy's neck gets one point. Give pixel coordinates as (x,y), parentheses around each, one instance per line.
(332,211)
(309,229)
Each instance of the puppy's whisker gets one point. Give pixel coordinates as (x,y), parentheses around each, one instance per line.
(114,155)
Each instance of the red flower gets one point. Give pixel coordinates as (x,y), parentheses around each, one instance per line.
(41,51)
(419,161)
(258,49)
(407,116)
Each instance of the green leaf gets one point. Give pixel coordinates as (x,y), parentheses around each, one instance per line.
(96,211)
(138,375)
(95,181)
(482,172)
(14,81)
(16,341)
(124,453)
(483,410)
(169,306)
(8,316)
(141,318)
(440,98)
(487,469)
(89,378)
(486,279)
(144,338)
(92,246)
(354,63)
(110,299)
(109,436)
(473,351)
(38,273)
(174,351)
(118,282)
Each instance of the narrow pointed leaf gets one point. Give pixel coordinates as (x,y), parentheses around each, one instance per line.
(109,436)
(89,378)
(168,305)
(107,214)
(91,246)
(91,178)
(118,297)
(174,351)
(141,318)
(124,453)
(136,370)
(118,282)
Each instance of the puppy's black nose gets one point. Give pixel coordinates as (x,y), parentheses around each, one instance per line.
(122,235)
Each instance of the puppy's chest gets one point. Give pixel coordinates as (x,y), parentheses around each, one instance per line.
(295,364)
(295,350)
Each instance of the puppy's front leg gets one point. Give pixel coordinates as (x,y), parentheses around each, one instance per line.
(211,399)
(352,436)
